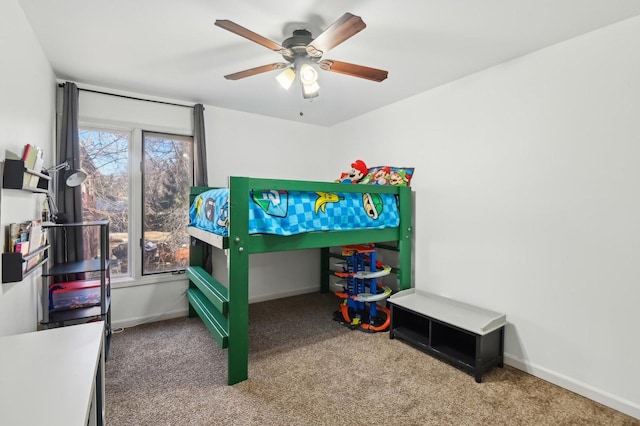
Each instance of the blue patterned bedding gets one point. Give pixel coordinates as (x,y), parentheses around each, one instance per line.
(296,212)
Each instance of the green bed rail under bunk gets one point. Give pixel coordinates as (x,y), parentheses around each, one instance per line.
(225,310)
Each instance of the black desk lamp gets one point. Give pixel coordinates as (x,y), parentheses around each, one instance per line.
(73,178)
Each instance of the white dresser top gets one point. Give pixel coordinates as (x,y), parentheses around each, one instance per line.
(47,377)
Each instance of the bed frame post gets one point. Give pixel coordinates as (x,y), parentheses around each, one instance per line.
(406,236)
(238,352)
(324,270)
(195,250)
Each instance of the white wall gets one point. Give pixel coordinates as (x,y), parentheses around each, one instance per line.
(27,88)
(241,144)
(527,181)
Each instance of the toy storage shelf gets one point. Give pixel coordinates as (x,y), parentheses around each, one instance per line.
(65,274)
(468,337)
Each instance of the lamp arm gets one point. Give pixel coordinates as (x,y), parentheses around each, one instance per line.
(61,166)
(53,208)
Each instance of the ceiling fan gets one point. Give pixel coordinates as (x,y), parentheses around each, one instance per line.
(301,51)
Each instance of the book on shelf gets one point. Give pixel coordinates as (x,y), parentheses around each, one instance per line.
(25,237)
(37,167)
(37,238)
(17,233)
(33,262)
(29,155)
(22,247)
(33,158)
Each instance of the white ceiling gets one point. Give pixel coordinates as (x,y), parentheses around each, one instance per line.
(172,49)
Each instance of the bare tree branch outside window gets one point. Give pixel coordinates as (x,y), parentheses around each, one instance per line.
(167,171)
(167,175)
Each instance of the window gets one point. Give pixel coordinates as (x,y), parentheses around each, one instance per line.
(116,190)
(167,175)
(104,155)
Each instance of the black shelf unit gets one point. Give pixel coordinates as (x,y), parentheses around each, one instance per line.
(420,320)
(12,264)
(13,177)
(58,273)
(68,268)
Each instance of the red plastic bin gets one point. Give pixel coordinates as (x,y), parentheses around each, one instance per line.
(74,294)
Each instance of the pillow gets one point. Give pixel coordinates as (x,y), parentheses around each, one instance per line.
(401,176)
(387,175)
(377,176)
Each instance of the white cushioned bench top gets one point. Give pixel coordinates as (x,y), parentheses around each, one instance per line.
(462,315)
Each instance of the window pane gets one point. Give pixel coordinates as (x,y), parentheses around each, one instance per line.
(104,155)
(167,176)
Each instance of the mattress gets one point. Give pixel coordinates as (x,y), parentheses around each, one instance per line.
(294,212)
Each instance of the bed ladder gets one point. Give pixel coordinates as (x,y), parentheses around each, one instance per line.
(208,298)
(227,322)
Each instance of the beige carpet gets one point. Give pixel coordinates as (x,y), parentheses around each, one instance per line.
(305,369)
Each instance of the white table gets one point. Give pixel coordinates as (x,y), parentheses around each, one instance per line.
(53,377)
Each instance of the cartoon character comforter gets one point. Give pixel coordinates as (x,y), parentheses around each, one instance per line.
(296,212)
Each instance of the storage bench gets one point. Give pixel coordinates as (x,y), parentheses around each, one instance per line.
(468,337)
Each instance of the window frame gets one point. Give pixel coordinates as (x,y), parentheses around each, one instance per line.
(179,270)
(134,276)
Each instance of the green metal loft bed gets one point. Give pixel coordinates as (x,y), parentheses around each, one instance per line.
(225,310)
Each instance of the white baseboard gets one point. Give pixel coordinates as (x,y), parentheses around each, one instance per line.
(281,295)
(620,404)
(132,322)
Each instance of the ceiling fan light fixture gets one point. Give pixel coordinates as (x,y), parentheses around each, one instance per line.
(308,78)
(310,90)
(286,78)
(308,74)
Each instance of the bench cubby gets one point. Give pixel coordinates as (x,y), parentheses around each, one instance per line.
(466,336)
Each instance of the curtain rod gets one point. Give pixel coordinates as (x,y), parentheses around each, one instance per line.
(129,97)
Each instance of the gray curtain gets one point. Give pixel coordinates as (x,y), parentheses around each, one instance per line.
(200,148)
(68,241)
(200,170)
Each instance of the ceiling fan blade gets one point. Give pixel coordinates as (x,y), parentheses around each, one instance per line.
(345,27)
(257,70)
(250,35)
(353,70)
